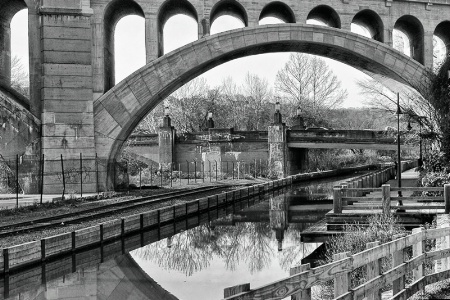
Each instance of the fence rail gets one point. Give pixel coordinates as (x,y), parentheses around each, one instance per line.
(303,277)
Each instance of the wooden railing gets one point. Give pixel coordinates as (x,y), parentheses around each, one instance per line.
(349,198)
(302,278)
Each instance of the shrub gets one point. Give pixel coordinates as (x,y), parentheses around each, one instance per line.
(380,228)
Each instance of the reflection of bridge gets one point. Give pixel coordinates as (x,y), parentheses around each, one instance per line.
(83,110)
(120,278)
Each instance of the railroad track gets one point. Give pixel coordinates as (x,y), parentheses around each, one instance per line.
(98,212)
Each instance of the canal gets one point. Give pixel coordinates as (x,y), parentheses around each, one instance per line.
(254,242)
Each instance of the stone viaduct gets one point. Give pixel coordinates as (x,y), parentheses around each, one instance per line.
(82,109)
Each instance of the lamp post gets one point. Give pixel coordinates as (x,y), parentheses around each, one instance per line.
(420,162)
(210,121)
(277,119)
(399,165)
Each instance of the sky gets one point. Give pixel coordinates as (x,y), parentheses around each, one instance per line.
(180,30)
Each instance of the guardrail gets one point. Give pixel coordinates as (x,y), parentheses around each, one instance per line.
(302,278)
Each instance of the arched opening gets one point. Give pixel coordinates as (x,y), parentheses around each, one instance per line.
(227,15)
(367,23)
(325,16)
(174,37)
(129,42)
(276,10)
(408,37)
(115,11)
(13,39)
(441,43)
(169,9)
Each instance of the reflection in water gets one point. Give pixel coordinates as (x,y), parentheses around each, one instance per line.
(253,243)
(191,251)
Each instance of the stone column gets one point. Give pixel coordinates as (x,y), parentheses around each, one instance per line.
(66,95)
(98,52)
(278,215)
(204,28)
(277,150)
(153,37)
(166,139)
(35,63)
(428,50)
(5,54)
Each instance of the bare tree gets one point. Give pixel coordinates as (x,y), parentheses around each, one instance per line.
(19,76)
(258,95)
(412,104)
(307,82)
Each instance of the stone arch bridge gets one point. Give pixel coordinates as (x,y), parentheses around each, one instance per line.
(82,110)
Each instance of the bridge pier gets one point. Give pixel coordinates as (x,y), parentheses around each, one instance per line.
(284,161)
(166,138)
(67,97)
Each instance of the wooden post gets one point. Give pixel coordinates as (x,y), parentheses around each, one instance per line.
(303,294)
(234,290)
(418,249)
(360,185)
(447,198)
(386,198)
(443,221)
(337,200)
(341,280)
(373,270)
(397,259)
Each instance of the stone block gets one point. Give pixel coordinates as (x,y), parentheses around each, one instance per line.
(66,94)
(66,33)
(66,21)
(80,58)
(71,118)
(238,40)
(178,64)
(139,88)
(75,4)
(127,98)
(116,109)
(151,79)
(203,54)
(389,60)
(261,37)
(66,45)
(51,81)
(68,130)
(226,44)
(72,106)
(273,36)
(67,70)
(72,143)
(250,38)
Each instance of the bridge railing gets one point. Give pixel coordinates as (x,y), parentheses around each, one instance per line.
(302,278)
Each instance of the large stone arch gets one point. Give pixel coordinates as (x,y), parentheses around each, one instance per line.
(120,109)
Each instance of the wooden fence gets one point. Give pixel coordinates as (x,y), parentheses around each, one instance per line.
(302,278)
(421,198)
